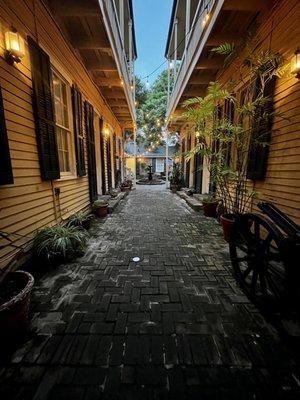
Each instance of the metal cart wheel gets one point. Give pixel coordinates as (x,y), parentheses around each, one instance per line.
(258,260)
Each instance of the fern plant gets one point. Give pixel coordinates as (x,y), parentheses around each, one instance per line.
(59,243)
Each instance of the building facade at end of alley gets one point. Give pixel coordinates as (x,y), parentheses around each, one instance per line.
(67,97)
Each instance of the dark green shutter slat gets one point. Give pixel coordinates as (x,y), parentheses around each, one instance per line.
(261,136)
(6,175)
(78,131)
(102,156)
(44,111)
(89,124)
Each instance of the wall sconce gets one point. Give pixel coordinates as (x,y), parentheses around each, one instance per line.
(197,134)
(14,47)
(296,64)
(205,17)
(106,132)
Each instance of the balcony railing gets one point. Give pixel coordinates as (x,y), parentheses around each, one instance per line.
(197,37)
(113,28)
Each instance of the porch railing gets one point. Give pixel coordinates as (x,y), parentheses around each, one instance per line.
(112,25)
(197,37)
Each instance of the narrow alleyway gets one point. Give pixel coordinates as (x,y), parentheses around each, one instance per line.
(174,325)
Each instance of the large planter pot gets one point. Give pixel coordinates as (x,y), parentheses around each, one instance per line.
(227,221)
(210,209)
(125,189)
(102,211)
(174,188)
(14,301)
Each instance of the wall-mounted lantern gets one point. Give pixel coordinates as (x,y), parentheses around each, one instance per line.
(296,64)
(14,47)
(106,133)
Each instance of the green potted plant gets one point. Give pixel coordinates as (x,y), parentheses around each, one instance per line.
(59,243)
(176,178)
(100,208)
(210,204)
(237,135)
(80,220)
(126,185)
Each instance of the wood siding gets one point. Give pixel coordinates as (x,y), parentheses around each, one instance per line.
(279,31)
(30,203)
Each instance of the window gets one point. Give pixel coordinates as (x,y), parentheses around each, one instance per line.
(62,120)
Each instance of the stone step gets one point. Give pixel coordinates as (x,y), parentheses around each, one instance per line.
(194,203)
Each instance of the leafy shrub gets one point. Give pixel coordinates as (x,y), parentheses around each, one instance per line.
(80,220)
(99,203)
(59,243)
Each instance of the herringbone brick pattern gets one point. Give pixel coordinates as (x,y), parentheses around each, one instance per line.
(173,326)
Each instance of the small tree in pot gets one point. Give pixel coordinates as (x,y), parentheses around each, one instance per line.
(176,179)
(245,135)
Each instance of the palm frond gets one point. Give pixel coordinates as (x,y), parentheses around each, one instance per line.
(225,49)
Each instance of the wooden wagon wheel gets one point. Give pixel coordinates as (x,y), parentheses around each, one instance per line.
(257,259)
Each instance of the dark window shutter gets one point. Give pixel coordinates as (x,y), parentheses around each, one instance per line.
(261,134)
(44,111)
(89,124)
(6,175)
(102,151)
(78,131)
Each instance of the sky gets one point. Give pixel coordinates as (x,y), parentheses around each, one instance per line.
(151,19)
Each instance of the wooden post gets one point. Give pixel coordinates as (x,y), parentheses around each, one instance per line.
(187,21)
(175,47)
(121,17)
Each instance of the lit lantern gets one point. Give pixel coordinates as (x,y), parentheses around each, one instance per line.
(296,64)
(197,134)
(106,132)
(14,45)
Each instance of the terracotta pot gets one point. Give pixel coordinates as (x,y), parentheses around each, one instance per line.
(14,312)
(101,211)
(210,209)
(227,221)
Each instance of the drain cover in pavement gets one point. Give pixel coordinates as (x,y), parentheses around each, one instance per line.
(136,259)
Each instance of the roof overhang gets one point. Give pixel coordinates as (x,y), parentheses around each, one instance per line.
(92,29)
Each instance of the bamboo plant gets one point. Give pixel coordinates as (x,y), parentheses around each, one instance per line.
(218,134)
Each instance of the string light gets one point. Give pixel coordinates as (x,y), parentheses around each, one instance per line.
(205,18)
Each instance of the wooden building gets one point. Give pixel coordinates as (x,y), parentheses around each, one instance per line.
(198,26)
(67,94)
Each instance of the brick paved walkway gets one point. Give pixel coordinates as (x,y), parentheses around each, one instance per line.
(174,325)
